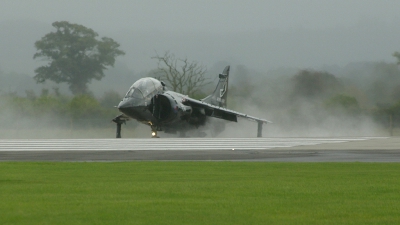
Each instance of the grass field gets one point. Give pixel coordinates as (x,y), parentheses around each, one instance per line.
(199,193)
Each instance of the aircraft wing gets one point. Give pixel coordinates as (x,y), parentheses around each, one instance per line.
(220,112)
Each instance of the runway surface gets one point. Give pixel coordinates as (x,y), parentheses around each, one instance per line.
(363,149)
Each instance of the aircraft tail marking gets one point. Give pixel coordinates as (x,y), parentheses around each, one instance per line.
(219,96)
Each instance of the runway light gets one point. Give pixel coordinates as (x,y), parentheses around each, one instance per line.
(233,149)
(153,133)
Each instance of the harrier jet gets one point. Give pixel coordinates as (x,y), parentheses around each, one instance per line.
(150,102)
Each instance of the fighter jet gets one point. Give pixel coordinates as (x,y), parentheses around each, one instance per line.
(150,102)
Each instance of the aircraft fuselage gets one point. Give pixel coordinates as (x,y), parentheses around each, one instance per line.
(154,106)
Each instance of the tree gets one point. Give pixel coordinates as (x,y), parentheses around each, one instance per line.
(181,75)
(110,99)
(311,84)
(84,107)
(386,79)
(344,103)
(396,92)
(75,55)
(397,55)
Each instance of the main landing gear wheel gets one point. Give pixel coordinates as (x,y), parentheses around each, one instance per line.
(154,132)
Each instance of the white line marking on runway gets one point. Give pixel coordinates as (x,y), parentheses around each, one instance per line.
(165,143)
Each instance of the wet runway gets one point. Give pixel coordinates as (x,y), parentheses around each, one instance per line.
(354,149)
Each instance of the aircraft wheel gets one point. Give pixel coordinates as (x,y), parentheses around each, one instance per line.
(154,134)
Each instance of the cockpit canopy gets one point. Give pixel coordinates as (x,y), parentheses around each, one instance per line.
(145,88)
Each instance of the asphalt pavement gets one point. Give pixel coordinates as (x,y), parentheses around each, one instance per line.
(342,149)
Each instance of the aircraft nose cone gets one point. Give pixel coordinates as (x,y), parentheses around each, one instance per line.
(124,104)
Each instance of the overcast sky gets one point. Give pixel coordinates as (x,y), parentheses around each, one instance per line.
(260,34)
(202,15)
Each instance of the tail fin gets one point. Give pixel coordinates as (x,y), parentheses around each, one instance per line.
(219,96)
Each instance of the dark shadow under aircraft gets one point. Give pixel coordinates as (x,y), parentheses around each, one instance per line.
(148,101)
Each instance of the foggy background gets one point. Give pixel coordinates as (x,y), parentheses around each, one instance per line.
(265,42)
(259,34)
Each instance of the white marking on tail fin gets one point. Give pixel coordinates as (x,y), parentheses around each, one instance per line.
(222,90)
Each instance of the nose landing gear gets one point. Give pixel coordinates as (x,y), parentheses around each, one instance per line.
(119,120)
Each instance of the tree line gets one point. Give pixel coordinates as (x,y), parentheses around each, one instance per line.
(56,110)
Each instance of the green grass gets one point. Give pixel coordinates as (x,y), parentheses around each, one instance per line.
(199,193)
